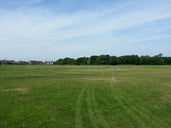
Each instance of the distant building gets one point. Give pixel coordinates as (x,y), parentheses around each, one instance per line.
(22,62)
(34,62)
(7,61)
(49,62)
(31,62)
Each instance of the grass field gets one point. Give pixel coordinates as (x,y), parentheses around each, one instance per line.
(85,96)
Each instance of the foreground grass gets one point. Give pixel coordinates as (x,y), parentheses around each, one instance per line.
(85,96)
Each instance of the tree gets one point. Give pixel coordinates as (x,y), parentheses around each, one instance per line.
(93,60)
(128,59)
(158,59)
(103,59)
(168,60)
(82,61)
(69,61)
(134,59)
(145,60)
(113,60)
(65,61)
(59,62)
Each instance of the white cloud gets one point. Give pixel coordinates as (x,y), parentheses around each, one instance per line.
(22,2)
(41,33)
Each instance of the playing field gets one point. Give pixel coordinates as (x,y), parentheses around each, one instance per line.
(85,96)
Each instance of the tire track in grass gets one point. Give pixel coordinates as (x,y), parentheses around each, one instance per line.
(140,113)
(143,114)
(124,104)
(136,111)
(95,115)
(91,112)
(128,110)
(99,116)
(78,118)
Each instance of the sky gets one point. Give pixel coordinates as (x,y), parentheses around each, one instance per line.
(53,29)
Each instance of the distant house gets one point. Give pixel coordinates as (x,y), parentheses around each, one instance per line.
(7,61)
(22,62)
(31,62)
(49,62)
(34,62)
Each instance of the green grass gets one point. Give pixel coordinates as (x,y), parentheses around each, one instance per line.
(85,96)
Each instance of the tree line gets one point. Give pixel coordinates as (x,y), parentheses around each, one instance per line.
(114,60)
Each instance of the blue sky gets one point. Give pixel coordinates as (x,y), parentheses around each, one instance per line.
(53,29)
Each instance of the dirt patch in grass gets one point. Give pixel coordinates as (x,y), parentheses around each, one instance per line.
(166,96)
(20,90)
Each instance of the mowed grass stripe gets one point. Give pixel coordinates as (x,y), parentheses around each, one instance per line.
(91,112)
(95,114)
(142,116)
(85,96)
(130,107)
(98,113)
(78,118)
